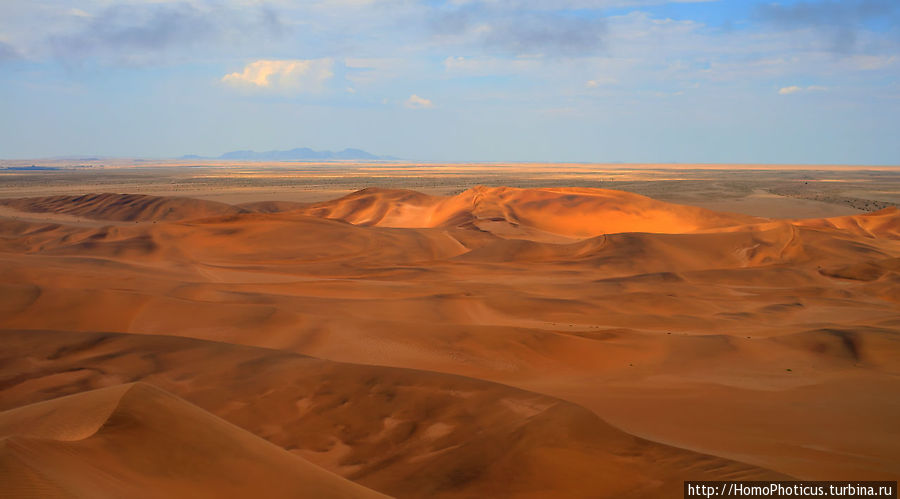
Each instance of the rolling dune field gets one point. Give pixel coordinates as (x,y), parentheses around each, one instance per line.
(488,342)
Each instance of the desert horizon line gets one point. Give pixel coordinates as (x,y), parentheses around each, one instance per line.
(399,161)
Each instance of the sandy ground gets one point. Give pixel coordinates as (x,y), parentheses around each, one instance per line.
(534,342)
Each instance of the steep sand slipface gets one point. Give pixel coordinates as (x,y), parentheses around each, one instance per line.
(138,441)
(767,342)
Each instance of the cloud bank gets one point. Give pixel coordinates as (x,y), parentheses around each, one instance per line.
(519,32)
(140,33)
(839,21)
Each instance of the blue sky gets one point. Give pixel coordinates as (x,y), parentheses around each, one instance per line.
(455,80)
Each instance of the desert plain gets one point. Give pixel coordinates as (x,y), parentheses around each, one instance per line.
(171,329)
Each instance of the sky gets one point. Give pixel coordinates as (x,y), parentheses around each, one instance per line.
(739,81)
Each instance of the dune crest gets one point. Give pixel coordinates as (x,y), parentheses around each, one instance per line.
(570,212)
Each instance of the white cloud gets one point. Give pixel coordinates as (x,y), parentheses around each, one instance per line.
(454,62)
(600,81)
(793,89)
(297,75)
(416,102)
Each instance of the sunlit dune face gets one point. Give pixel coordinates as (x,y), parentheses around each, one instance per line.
(572,213)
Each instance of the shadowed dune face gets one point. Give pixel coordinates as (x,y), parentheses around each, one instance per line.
(123,207)
(771,343)
(138,441)
(406,433)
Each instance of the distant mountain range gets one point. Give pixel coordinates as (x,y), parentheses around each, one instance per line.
(300,153)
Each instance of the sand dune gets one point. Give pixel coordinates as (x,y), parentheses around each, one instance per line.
(627,335)
(571,212)
(881,224)
(271,206)
(123,207)
(135,440)
(407,433)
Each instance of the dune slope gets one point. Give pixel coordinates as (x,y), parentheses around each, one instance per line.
(570,212)
(407,433)
(123,207)
(138,441)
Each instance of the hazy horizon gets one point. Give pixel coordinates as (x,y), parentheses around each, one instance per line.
(391,158)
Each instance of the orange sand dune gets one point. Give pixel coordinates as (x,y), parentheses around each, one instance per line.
(123,207)
(407,433)
(135,440)
(271,206)
(572,212)
(881,224)
(766,342)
